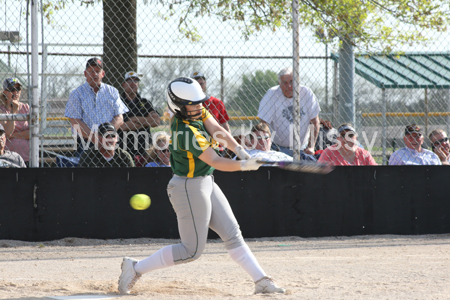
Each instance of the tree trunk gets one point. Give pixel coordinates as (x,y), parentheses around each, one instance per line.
(119,40)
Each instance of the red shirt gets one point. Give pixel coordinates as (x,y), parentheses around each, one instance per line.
(217,109)
(362,157)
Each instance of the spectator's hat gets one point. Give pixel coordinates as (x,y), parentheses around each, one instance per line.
(132,74)
(413,128)
(10,82)
(198,74)
(95,61)
(345,127)
(2,129)
(106,128)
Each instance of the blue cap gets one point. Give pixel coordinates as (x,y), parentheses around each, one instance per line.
(10,82)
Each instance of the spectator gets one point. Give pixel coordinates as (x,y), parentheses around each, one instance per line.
(159,153)
(347,152)
(276,109)
(327,137)
(440,145)
(134,133)
(93,103)
(413,153)
(213,105)
(17,132)
(260,142)
(8,159)
(107,154)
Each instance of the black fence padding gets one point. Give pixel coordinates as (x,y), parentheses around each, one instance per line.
(94,203)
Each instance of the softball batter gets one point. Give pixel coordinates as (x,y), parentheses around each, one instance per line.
(197,200)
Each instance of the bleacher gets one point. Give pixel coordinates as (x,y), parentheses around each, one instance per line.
(56,133)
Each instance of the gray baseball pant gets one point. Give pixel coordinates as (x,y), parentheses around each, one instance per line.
(200,204)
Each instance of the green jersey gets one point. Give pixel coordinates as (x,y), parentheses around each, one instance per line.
(189,140)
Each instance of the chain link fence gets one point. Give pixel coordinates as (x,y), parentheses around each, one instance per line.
(341,82)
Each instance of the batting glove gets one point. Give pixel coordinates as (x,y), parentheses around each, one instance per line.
(241,153)
(250,164)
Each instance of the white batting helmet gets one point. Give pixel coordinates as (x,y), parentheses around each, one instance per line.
(184,91)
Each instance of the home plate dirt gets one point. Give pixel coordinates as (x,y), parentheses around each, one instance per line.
(360,267)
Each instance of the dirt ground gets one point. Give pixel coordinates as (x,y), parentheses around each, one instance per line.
(360,267)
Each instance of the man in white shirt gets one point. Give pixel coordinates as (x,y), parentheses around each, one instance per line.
(413,153)
(276,109)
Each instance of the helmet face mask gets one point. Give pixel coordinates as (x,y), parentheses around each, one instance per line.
(195,112)
(181,92)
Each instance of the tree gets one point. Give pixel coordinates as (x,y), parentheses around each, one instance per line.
(61,86)
(119,35)
(119,40)
(371,23)
(249,94)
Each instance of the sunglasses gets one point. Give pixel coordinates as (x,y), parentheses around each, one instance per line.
(165,150)
(439,142)
(266,137)
(350,135)
(12,89)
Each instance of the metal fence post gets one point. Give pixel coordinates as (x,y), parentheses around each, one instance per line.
(384,120)
(296,80)
(335,98)
(34,114)
(221,80)
(426,111)
(44,87)
(346,81)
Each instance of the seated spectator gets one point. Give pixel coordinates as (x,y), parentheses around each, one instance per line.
(347,151)
(135,131)
(17,132)
(327,137)
(413,153)
(159,153)
(8,159)
(440,145)
(106,153)
(259,144)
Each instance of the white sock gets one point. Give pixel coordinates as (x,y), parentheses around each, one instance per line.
(245,258)
(162,258)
